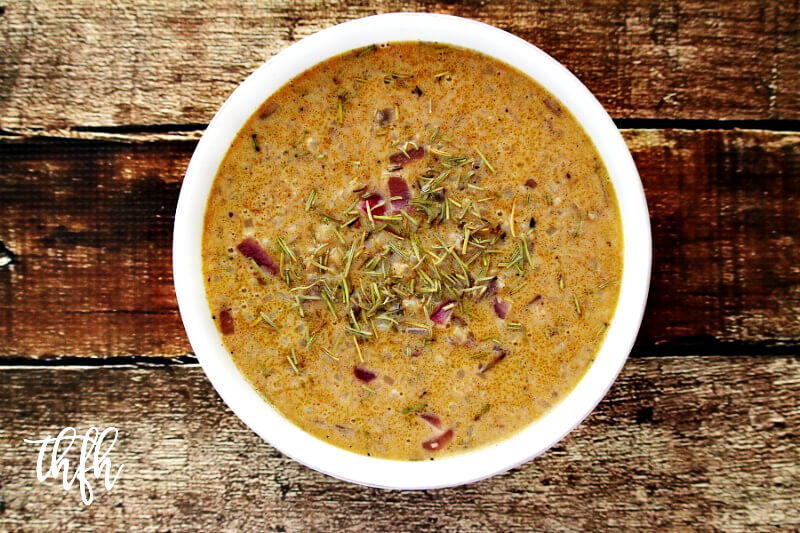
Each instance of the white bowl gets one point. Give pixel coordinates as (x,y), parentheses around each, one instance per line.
(262,418)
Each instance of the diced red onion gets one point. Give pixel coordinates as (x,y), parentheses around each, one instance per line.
(553,106)
(501,308)
(491,287)
(441,315)
(373,200)
(364,375)
(399,187)
(226,322)
(491,364)
(437,443)
(431,419)
(401,159)
(252,250)
(384,116)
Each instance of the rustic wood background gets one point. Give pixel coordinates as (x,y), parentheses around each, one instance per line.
(101,104)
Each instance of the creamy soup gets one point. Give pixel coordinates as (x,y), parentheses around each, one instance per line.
(412,250)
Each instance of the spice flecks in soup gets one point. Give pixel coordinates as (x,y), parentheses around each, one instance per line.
(412,250)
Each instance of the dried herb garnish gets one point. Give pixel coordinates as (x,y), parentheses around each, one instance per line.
(486,161)
(414,409)
(267,319)
(483,411)
(293,361)
(394,264)
(311,198)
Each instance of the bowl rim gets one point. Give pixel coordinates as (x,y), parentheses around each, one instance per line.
(465,467)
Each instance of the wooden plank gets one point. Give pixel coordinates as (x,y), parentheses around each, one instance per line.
(679,443)
(724,208)
(90,226)
(163,62)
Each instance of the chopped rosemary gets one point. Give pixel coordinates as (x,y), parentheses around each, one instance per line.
(577,230)
(358,332)
(577,304)
(310,340)
(258,268)
(338,235)
(600,331)
(390,76)
(527,252)
(256,147)
(414,409)
(350,256)
(329,354)
(358,349)
(328,303)
(310,201)
(294,365)
(286,250)
(267,319)
(486,161)
(440,152)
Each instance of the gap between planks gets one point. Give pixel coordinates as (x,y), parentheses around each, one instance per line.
(193,131)
(664,351)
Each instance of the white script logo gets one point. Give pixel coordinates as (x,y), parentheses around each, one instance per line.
(91,448)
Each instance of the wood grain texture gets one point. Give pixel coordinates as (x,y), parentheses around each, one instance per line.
(90,224)
(724,209)
(90,227)
(164,62)
(696,442)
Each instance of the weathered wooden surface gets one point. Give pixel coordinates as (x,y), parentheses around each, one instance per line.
(165,62)
(725,214)
(693,442)
(90,224)
(681,443)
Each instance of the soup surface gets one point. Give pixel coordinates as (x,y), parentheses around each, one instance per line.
(412,250)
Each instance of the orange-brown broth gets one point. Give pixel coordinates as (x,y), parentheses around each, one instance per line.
(466,102)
